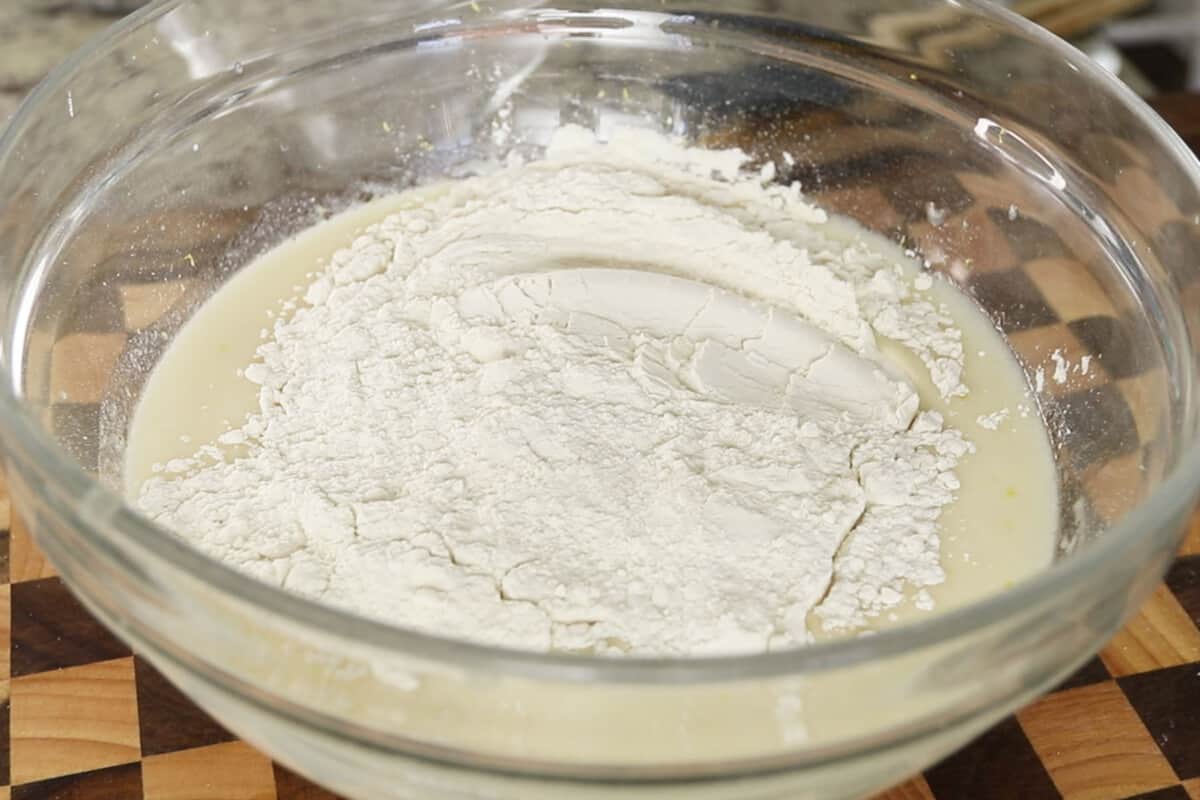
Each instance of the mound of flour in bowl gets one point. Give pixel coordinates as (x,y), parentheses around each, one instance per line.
(624,399)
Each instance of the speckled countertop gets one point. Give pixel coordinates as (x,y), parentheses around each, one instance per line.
(37,34)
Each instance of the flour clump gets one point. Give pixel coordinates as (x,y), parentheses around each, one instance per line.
(628,398)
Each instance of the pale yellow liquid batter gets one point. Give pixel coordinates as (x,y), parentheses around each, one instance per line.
(999,530)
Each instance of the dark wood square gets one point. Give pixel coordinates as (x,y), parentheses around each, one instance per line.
(1029,238)
(167,720)
(874,168)
(1017,302)
(113,783)
(51,630)
(1170,793)
(96,309)
(1092,672)
(1184,582)
(911,194)
(999,765)
(1109,338)
(1085,414)
(1168,701)
(5,537)
(5,743)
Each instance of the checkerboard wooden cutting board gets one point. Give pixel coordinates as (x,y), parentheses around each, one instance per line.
(86,719)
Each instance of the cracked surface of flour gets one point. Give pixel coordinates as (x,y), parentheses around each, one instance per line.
(624,399)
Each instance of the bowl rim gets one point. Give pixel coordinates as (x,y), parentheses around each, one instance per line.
(26,441)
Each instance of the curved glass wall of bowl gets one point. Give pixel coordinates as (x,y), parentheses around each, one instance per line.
(133,188)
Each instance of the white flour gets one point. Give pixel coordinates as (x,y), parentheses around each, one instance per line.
(625,399)
(992,421)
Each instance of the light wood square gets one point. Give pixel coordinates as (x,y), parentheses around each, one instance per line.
(1043,348)
(230,771)
(1116,486)
(866,203)
(1160,635)
(967,244)
(1070,289)
(74,720)
(25,560)
(1144,394)
(144,304)
(81,365)
(1154,207)
(1121,763)
(996,191)
(820,140)
(1191,545)
(5,632)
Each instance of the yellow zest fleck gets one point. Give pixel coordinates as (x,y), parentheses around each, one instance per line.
(190,259)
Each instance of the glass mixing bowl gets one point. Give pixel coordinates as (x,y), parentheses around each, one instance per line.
(198,133)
